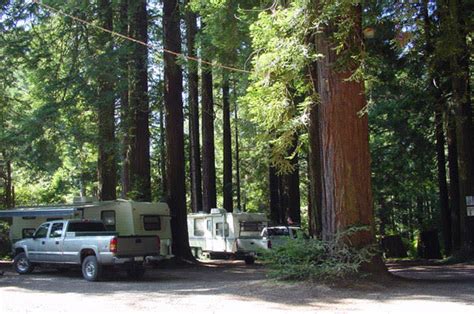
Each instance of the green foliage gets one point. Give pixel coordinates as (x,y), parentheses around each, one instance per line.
(314,259)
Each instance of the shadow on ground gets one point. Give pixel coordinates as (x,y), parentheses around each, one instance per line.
(454,283)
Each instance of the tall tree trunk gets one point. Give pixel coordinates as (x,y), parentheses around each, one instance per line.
(125,119)
(174,131)
(193,90)
(138,99)
(107,169)
(459,66)
(237,155)
(346,195)
(227,143)
(453,183)
(291,192)
(208,154)
(275,204)
(163,158)
(439,130)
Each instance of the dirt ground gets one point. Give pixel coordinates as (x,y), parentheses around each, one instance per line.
(233,287)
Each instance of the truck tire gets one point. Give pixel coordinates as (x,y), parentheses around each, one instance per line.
(91,269)
(22,264)
(136,271)
(249,260)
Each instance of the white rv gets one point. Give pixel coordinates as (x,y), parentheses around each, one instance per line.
(224,234)
(123,216)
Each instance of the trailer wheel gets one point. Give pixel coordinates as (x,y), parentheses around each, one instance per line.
(249,260)
(91,269)
(22,264)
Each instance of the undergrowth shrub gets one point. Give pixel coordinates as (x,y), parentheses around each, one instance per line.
(310,259)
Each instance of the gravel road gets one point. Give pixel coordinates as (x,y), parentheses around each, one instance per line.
(232,287)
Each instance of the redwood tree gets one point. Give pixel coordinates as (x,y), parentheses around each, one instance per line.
(138,102)
(193,90)
(107,164)
(343,136)
(176,191)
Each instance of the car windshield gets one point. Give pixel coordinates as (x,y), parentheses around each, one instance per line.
(82,226)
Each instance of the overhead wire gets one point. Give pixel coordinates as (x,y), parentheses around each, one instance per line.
(148,45)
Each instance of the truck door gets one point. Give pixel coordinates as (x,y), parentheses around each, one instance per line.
(54,243)
(37,251)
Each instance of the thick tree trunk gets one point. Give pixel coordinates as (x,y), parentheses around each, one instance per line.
(9,190)
(193,90)
(439,130)
(275,204)
(227,143)
(291,193)
(453,183)
(107,168)
(138,99)
(175,132)
(459,66)
(442,182)
(346,195)
(208,154)
(125,115)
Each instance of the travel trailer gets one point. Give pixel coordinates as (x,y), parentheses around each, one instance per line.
(123,216)
(223,234)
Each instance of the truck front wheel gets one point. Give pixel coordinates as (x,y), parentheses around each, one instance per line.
(91,269)
(22,264)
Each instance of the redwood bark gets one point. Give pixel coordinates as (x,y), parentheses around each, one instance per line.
(138,99)
(346,195)
(193,90)
(453,183)
(107,168)
(275,203)
(174,131)
(125,119)
(227,145)
(208,154)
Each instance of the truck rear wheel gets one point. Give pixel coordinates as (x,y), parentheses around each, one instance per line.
(91,269)
(22,264)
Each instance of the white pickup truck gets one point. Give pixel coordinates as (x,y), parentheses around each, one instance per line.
(85,243)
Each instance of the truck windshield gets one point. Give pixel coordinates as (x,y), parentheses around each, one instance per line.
(81,226)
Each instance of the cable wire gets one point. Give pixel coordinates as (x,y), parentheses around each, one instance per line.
(113,33)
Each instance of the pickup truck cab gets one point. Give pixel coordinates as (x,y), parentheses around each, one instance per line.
(85,243)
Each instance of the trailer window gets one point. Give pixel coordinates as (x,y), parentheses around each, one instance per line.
(28,217)
(251,226)
(199,227)
(220,227)
(151,222)
(209,225)
(27,232)
(108,218)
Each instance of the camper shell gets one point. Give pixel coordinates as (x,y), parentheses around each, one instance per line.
(127,218)
(223,234)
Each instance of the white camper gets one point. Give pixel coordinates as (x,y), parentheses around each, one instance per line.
(123,216)
(220,233)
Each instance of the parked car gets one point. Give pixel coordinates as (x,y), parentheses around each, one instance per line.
(86,243)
